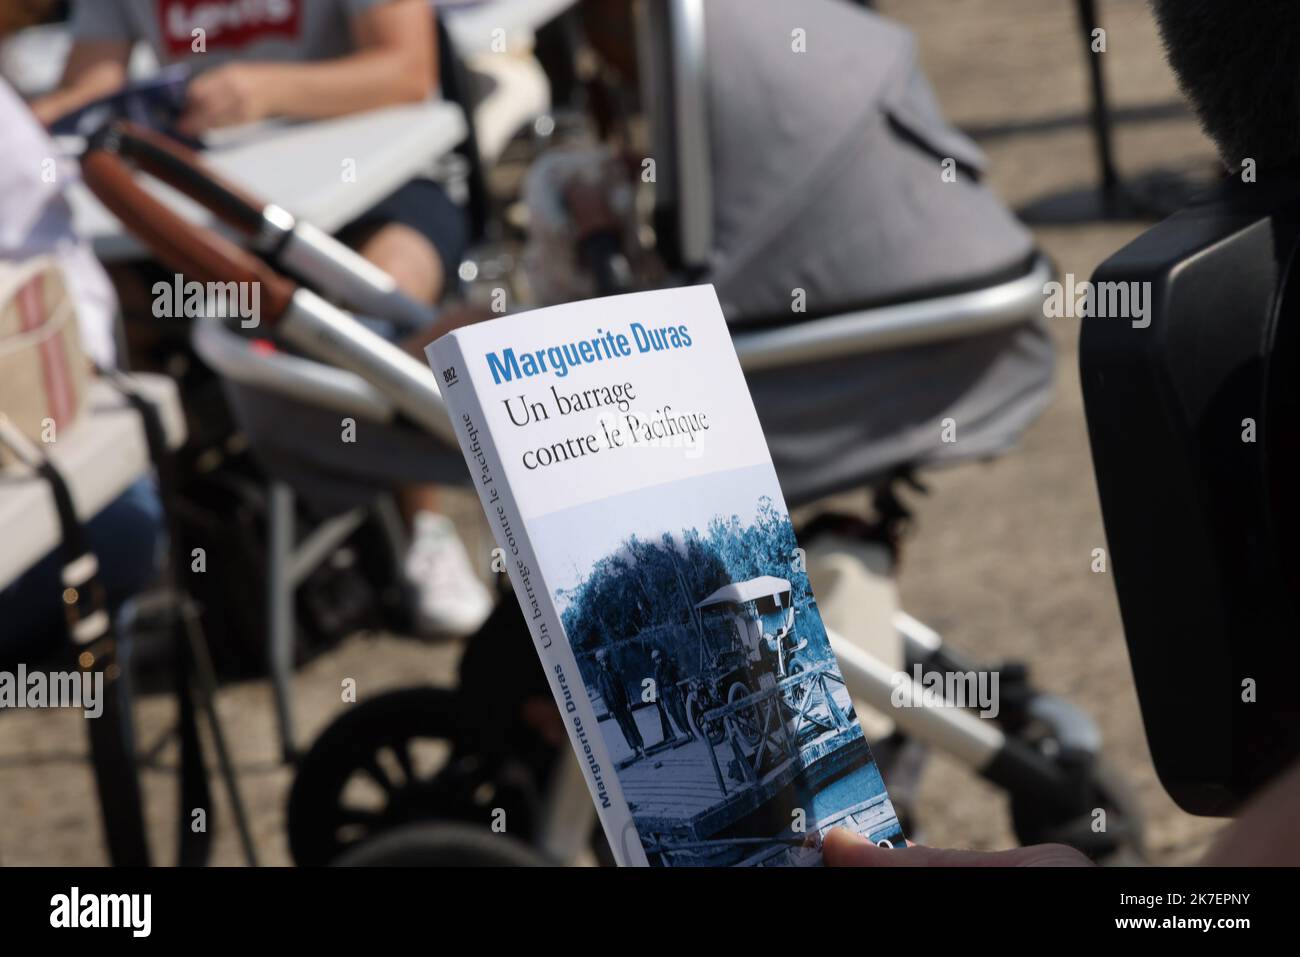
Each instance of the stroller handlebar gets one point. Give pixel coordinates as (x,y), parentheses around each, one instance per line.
(295,313)
(274,234)
(190,249)
(181,168)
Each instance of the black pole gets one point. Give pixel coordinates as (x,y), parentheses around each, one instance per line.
(1101,122)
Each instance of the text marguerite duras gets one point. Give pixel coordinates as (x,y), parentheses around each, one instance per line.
(506,366)
(619,425)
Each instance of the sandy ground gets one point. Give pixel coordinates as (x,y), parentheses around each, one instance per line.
(1000,563)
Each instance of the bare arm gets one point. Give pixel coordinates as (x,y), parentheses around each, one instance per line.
(395,62)
(95,68)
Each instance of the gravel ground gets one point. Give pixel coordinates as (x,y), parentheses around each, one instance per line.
(999,563)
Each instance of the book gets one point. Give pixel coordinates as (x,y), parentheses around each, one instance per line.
(621,464)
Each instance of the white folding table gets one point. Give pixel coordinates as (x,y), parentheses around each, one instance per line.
(326,172)
(99,457)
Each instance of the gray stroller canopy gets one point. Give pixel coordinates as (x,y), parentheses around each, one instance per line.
(823,171)
(826,166)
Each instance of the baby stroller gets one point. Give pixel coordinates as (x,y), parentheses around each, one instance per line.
(878,294)
(1042,751)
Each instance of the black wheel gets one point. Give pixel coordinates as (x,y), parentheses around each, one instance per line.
(394,760)
(746,720)
(441,845)
(1119,842)
(711,731)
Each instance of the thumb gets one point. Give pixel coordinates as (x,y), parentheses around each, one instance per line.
(845,849)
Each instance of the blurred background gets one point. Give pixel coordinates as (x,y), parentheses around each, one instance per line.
(999,556)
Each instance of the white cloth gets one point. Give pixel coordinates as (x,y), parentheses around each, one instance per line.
(36,220)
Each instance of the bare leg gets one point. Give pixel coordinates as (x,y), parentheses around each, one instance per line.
(451,598)
(406,256)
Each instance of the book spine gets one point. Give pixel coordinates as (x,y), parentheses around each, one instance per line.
(535,601)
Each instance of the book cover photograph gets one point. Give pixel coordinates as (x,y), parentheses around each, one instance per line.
(623,469)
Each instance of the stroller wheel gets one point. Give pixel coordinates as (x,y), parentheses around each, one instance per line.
(712,731)
(1114,836)
(396,759)
(441,845)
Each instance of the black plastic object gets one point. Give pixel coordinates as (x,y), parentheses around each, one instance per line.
(1201,520)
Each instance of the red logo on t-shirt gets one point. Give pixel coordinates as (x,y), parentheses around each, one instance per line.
(225,24)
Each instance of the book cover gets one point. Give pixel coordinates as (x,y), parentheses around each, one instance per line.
(622,467)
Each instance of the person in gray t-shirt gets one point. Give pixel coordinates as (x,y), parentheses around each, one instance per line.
(301,59)
(310,59)
(306,59)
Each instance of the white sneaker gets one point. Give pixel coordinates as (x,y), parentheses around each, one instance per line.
(452,601)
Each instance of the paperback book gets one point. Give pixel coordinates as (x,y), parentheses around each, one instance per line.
(621,464)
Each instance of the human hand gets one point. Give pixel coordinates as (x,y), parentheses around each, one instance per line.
(227,96)
(845,849)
